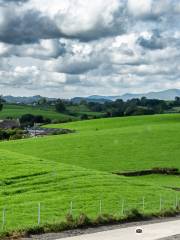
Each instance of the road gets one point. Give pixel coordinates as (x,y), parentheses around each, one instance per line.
(150,232)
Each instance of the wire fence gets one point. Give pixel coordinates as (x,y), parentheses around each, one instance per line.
(36,214)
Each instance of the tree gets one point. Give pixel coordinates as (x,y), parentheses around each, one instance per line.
(95,107)
(42,101)
(1,106)
(143,101)
(60,106)
(27,120)
(177,101)
(84,117)
(38,119)
(1,103)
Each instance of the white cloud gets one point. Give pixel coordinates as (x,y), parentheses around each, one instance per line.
(140,7)
(31,78)
(84,16)
(5,49)
(84,47)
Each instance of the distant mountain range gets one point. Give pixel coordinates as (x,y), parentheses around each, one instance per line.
(24,100)
(169,94)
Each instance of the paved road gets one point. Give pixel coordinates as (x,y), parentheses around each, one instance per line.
(177,237)
(150,232)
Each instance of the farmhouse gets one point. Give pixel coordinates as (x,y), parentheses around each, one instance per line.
(9,124)
(38,132)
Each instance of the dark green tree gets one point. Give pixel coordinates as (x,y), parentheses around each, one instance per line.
(84,117)
(1,103)
(177,101)
(60,106)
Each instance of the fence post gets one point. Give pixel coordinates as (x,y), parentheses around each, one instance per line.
(122,208)
(39,213)
(100,207)
(160,204)
(176,202)
(71,208)
(3,218)
(143,203)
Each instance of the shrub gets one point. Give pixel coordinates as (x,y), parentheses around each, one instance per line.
(105,219)
(83,220)
(70,220)
(134,215)
(16,136)
(27,120)
(84,117)
(60,106)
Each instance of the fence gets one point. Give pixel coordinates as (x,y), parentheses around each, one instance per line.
(34,214)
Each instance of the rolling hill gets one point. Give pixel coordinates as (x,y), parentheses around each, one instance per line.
(169,94)
(75,172)
(17,110)
(73,112)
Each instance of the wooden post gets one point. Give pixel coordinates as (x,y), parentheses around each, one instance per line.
(39,213)
(176,202)
(160,204)
(100,207)
(143,203)
(3,218)
(71,208)
(122,208)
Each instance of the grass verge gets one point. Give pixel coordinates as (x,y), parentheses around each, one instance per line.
(83,222)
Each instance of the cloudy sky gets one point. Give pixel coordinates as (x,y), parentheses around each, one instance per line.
(66,48)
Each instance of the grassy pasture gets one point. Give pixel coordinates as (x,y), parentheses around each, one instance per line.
(16,111)
(38,180)
(58,170)
(73,112)
(119,144)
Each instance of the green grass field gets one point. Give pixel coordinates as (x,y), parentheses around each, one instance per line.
(78,167)
(16,111)
(73,112)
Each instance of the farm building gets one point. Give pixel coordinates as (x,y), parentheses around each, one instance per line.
(38,132)
(9,124)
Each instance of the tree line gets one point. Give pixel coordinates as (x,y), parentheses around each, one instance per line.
(116,108)
(2,101)
(120,108)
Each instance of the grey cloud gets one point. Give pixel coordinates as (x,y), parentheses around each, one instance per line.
(118,26)
(30,78)
(74,67)
(8,2)
(44,50)
(29,27)
(94,56)
(80,62)
(13,1)
(153,43)
(73,80)
(152,10)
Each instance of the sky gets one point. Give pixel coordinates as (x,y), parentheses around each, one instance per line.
(68,48)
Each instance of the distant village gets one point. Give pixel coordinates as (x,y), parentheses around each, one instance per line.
(11,129)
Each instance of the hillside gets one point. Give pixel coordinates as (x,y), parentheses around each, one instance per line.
(73,112)
(112,144)
(24,100)
(79,167)
(16,111)
(169,94)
